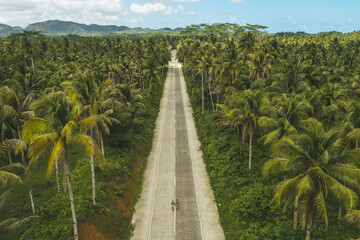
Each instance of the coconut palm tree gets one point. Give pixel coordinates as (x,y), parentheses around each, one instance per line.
(95,103)
(314,169)
(10,101)
(289,112)
(259,64)
(55,135)
(255,105)
(233,118)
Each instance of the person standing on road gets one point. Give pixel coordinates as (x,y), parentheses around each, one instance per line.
(172,205)
(177,203)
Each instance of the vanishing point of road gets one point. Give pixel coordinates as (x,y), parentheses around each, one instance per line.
(175,169)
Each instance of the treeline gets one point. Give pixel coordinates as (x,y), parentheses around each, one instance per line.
(60,99)
(297,100)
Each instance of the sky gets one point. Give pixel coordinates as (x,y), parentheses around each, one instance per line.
(311,16)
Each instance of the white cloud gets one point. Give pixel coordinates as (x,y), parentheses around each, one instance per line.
(147,8)
(190,13)
(172,0)
(236,1)
(84,11)
(233,19)
(291,20)
(171,10)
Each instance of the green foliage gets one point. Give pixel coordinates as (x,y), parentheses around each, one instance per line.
(119,190)
(245,203)
(95,77)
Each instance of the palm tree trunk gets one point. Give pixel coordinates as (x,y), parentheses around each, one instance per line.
(27,177)
(340,213)
(296,212)
(102,145)
(30,194)
(240,140)
(202,93)
(33,68)
(57,176)
(211,98)
(243,135)
(93,173)
(250,149)
(93,178)
(309,225)
(71,196)
(9,156)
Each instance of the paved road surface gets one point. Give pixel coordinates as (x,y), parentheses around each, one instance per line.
(176,170)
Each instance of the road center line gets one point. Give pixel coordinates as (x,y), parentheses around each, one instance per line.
(191,157)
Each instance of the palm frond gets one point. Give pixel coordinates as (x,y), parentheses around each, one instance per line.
(6,177)
(286,189)
(3,198)
(68,131)
(353,216)
(305,187)
(346,173)
(12,167)
(39,146)
(344,195)
(18,223)
(33,126)
(87,144)
(275,166)
(57,153)
(320,206)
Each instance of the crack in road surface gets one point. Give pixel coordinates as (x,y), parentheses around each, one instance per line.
(175,169)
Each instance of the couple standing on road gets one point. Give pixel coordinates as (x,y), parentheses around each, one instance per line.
(175,204)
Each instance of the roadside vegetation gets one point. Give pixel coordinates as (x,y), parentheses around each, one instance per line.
(76,126)
(278,118)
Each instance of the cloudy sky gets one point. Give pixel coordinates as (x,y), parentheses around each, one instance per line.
(279,15)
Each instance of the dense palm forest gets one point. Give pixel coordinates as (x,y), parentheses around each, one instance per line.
(77,116)
(278,118)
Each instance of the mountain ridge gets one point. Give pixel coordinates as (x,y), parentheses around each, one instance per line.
(70,27)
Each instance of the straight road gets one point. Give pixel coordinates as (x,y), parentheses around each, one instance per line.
(176,170)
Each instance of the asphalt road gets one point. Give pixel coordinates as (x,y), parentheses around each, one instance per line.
(176,170)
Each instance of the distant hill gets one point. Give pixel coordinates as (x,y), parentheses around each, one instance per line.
(56,26)
(68,27)
(6,30)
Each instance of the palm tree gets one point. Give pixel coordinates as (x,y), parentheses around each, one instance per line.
(259,64)
(290,76)
(130,99)
(56,135)
(10,101)
(314,168)
(289,112)
(233,118)
(231,62)
(254,105)
(94,102)
(150,72)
